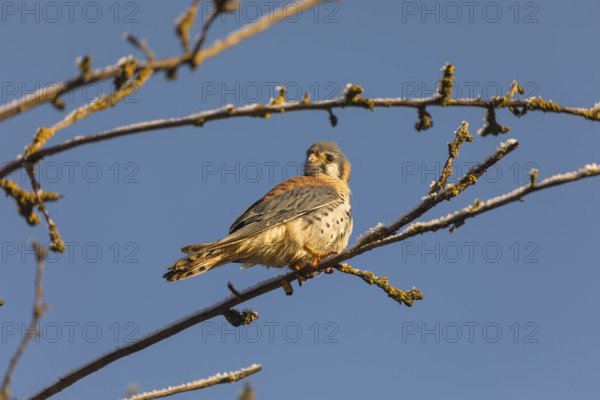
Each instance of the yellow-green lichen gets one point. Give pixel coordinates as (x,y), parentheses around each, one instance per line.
(424,121)
(445,85)
(41,137)
(306,98)
(26,201)
(281,98)
(492,127)
(401,296)
(85,66)
(537,103)
(184,24)
(533,176)
(237,318)
(462,135)
(126,71)
(352,95)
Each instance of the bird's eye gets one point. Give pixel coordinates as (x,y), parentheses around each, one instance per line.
(329,158)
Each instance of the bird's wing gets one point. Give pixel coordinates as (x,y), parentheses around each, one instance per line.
(278,209)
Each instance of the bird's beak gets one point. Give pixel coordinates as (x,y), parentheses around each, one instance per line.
(313,158)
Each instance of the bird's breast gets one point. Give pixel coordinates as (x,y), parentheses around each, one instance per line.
(327,229)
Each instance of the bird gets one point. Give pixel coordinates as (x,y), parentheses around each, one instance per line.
(299,222)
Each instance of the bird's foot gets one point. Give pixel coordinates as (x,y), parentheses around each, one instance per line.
(302,275)
(317,257)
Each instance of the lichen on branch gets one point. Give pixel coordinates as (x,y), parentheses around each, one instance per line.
(401,296)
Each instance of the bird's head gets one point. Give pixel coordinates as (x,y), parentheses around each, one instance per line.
(325,160)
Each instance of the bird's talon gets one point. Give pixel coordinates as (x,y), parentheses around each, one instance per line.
(303,275)
(317,256)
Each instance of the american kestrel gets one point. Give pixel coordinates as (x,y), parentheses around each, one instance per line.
(299,222)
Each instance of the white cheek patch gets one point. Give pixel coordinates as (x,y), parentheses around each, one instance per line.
(332,170)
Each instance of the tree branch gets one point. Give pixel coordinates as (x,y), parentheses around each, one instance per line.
(451,191)
(26,201)
(184,24)
(56,244)
(222,7)
(462,135)
(126,87)
(141,45)
(277,282)
(252,110)
(458,218)
(55,90)
(400,296)
(225,377)
(39,308)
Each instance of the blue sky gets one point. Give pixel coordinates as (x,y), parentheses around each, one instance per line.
(510,305)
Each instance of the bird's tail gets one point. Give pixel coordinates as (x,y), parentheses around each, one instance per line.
(201,258)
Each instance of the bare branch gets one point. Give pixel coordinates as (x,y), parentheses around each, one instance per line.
(53,91)
(201,118)
(276,282)
(350,98)
(141,45)
(125,87)
(459,217)
(164,333)
(247,393)
(39,308)
(225,377)
(222,7)
(433,199)
(247,31)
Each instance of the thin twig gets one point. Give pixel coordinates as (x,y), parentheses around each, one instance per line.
(232,289)
(184,24)
(203,34)
(39,308)
(247,31)
(140,44)
(26,201)
(459,217)
(56,89)
(451,191)
(57,244)
(275,283)
(401,296)
(247,393)
(225,377)
(126,88)
(462,135)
